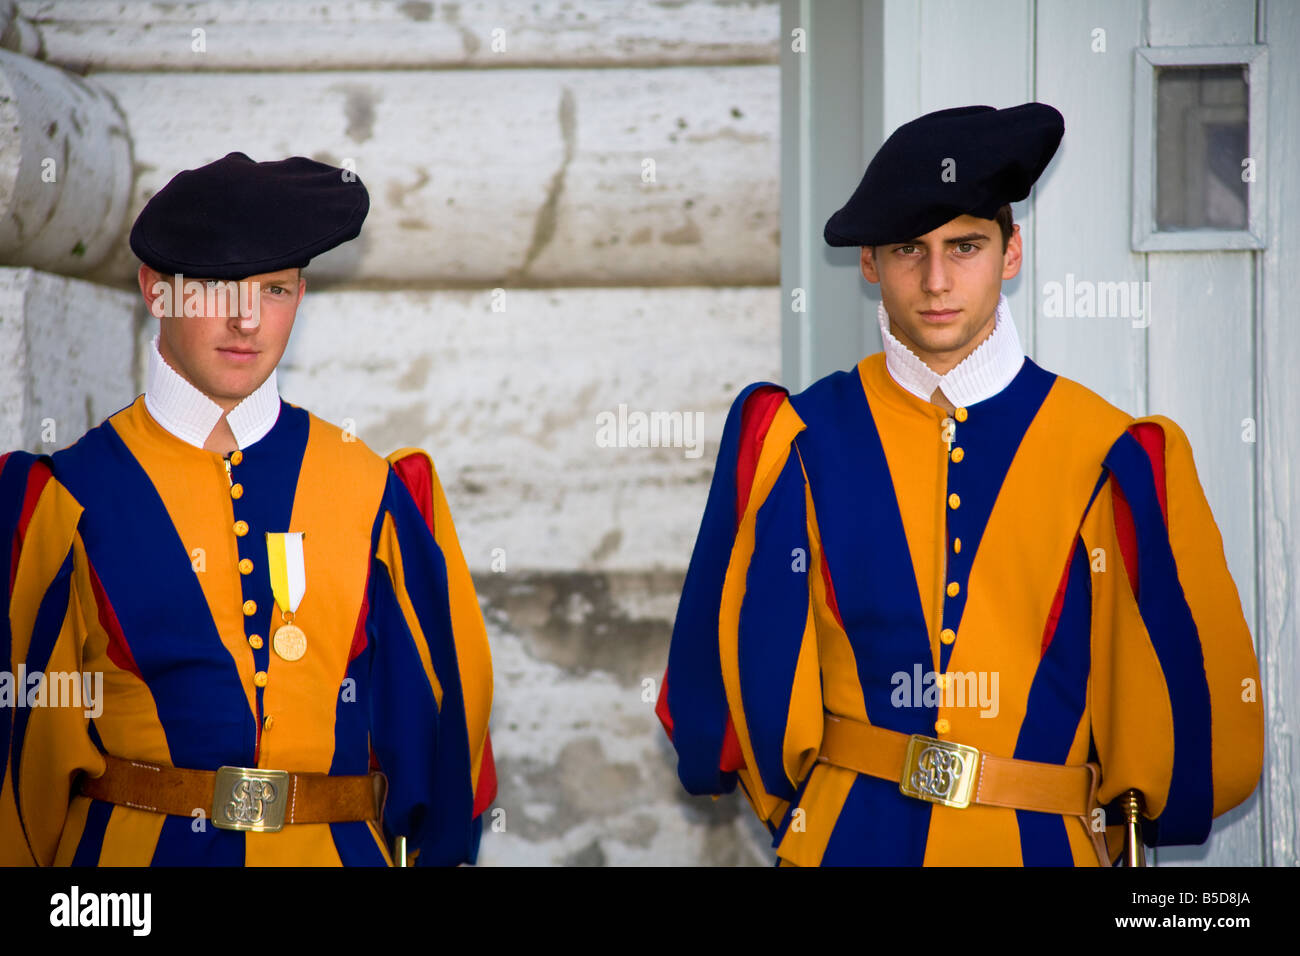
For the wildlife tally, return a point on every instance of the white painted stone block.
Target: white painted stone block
(386, 34)
(503, 177)
(69, 364)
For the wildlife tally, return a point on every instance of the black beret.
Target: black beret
(235, 218)
(910, 188)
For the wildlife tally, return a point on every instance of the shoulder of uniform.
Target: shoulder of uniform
(756, 408)
(347, 440)
(409, 460)
(1084, 401)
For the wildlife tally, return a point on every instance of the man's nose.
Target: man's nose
(243, 311)
(934, 279)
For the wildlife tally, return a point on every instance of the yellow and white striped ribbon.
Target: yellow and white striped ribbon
(288, 574)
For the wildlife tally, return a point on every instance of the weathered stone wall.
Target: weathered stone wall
(581, 224)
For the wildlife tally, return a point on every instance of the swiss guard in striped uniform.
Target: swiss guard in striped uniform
(276, 639)
(948, 607)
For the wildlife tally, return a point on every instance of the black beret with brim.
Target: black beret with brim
(971, 160)
(234, 218)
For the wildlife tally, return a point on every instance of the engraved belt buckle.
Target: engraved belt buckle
(246, 798)
(939, 771)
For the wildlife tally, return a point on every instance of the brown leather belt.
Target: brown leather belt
(954, 775)
(240, 798)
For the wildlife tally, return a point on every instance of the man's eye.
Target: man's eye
(906, 250)
(971, 247)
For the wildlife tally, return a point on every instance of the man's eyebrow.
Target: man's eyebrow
(968, 237)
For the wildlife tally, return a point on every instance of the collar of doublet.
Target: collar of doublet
(982, 374)
(189, 415)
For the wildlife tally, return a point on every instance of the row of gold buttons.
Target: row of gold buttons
(948, 635)
(246, 567)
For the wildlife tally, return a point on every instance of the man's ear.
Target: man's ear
(1011, 259)
(868, 263)
(153, 284)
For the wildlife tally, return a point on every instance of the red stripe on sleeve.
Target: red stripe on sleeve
(1127, 534)
(756, 418)
(359, 639)
(732, 757)
(487, 779)
(1054, 615)
(36, 481)
(119, 652)
(416, 474)
(830, 592)
(661, 707)
(1152, 439)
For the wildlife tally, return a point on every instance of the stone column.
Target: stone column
(65, 167)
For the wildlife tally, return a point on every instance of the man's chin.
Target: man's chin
(235, 390)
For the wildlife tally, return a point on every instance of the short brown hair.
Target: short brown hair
(1004, 221)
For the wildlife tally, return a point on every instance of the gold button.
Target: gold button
(245, 566)
(958, 454)
(956, 545)
(256, 641)
(236, 490)
(250, 608)
(241, 528)
(236, 457)
(945, 680)
(961, 414)
(260, 678)
(941, 726)
(947, 635)
(953, 501)
(953, 588)
(268, 722)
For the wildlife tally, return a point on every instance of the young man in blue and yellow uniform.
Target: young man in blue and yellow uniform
(293, 664)
(947, 607)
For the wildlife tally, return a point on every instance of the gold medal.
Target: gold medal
(289, 642)
(288, 582)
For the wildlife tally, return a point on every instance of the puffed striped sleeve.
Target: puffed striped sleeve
(46, 729)
(1176, 706)
(431, 677)
(741, 698)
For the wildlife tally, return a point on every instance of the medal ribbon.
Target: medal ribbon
(288, 575)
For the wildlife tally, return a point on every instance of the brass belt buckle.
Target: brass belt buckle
(246, 798)
(939, 771)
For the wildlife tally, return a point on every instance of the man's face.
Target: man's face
(221, 351)
(941, 289)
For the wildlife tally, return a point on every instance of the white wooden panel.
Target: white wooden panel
(499, 177)
(1200, 22)
(1203, 328)
(507, 404)
(831, 95)
(365, 34)
(1279, 512)
(1082, 201)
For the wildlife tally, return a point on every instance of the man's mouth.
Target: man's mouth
(939, 315)
(238, 354)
